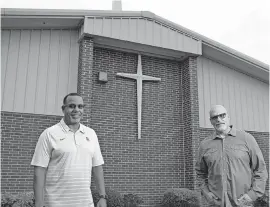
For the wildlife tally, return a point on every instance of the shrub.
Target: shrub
(24, 199)
(132, 200)
(114, 198)
(181, 197)
(262, 201)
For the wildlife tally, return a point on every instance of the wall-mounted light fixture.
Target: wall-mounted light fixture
(103, 77)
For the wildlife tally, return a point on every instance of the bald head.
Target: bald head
(217, 109)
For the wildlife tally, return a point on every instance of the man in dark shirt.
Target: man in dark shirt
(231, 164)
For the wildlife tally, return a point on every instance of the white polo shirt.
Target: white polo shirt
(69, 158)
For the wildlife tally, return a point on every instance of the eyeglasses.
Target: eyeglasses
(73, 106)
(221, 116)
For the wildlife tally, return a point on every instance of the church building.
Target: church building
(148, 85)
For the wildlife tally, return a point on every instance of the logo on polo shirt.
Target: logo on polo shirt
(62, 139)
(87, 139)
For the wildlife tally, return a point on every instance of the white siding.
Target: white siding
(246, 98)
(39, 67)
(142, 30)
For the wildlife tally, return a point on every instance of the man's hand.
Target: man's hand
(99, 179)
(211, 198)
(245, 200)
(102, 203)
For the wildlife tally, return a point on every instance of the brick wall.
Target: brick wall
(156, 162)
(20, 133)
(191, 131)
(85, 70)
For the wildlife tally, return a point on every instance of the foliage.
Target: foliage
(114, 198)
(132, 200)
(181, 197)
(24, 199)
(262, 201)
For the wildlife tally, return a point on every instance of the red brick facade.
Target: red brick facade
(20, 133)
(157, 162)
(191, 133)
(163, 158)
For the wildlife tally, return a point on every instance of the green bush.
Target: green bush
(181, 197)
(114, 198)
(132, 200)
(262, 201)
(24, 199)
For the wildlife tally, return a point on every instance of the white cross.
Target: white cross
(139, 77)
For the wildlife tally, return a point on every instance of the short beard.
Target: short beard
(225, 131)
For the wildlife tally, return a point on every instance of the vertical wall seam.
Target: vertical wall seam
(234, 99)
(58, 69)
(35, 99)
(266, 117)
(248, 114)
(69, 62)
(94, 21)
(102, 26)
(145, 32)
(202, 85)
(111, 28)
(221, 78)
(241, 110)
(263, 109)
(120, 29)
(252, 107)
(257, 111)
(16, 74)
(137, 36)
(77, 49)
(215, 87)
(5, 80)
(209, 76)
(27, 70)
(48, 69)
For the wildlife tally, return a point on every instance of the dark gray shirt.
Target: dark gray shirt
(232, 166)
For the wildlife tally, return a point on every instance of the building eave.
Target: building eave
(231, 57)
(67, 12)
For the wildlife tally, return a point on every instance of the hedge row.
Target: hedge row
(176, 197)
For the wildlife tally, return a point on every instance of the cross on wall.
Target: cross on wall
(139, 77)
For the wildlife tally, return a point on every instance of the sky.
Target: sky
(243, 25)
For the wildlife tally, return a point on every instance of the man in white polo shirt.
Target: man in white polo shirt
(64, 158)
